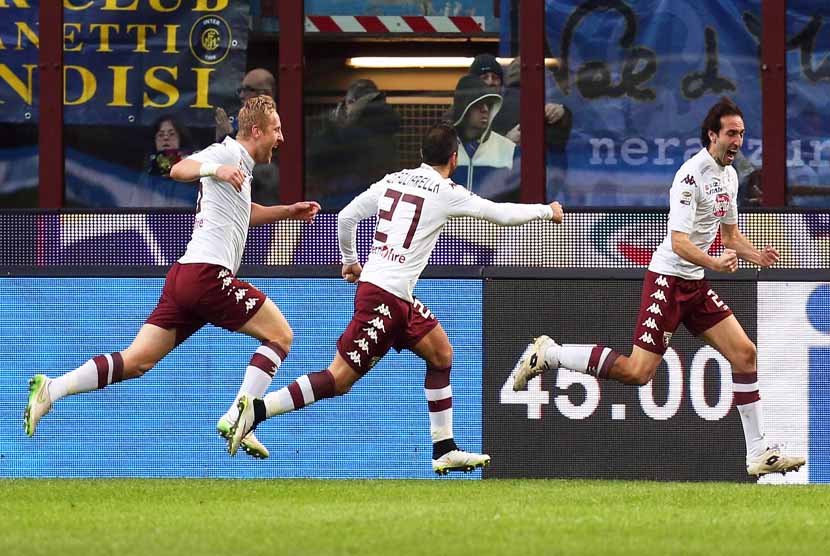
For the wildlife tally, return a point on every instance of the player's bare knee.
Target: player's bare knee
(283, 338)
(442, 358)
(744, 361)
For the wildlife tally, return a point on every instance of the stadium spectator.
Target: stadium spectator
(202, 286)
(413, 207)
(558, 117)
(488, 163)
(258, 81)
(171, 143)
(353, 145)
(703, 200)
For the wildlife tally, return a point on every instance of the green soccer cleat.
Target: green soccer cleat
(244, 424)
(250, 444)
(459, 460)
(39, 403)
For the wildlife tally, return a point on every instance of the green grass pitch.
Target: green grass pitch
(317, 517)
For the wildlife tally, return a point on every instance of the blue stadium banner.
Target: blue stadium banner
(127, 61)
(163, 425)
(639, 78)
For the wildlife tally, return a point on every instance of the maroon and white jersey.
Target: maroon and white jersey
(703, 196)
(412, 207)
(223, 214)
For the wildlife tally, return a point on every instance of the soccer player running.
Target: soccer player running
(202, 286)
(702, 198)
(412, 207)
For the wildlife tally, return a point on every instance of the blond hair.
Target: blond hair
(255, 112)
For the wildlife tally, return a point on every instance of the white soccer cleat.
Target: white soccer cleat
(532, 362)
(459, 460)
(773, 460)
(252, 446)
(243, 425)
(39, 402)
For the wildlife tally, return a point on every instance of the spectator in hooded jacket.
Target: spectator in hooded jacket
(558, 117)
(488, 162)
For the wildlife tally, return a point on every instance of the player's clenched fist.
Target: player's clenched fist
(728, 261)
(304, 210)
(769, 256)
(558, 213)
(351, 272)
(231, 174)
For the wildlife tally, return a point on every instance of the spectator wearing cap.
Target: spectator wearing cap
(489, 70)
(488, 161)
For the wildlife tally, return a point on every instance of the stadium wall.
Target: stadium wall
(76, 285)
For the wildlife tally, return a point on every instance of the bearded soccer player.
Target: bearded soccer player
(202, 286)
(412, 207)
(702, 199)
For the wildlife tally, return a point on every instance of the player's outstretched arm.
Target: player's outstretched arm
(509, 214)
(732, 238)
(304, 210)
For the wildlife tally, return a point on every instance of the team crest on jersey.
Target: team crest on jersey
(667, 338)
(721, 204)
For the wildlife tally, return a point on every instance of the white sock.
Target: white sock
(752, 419)
(573, 356)
(255, 383)
(264, 364)
(440, 421)
(82, 379)
(279, 402)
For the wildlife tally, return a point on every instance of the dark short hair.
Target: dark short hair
(439, 144)
(724, 107)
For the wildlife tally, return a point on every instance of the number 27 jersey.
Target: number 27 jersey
(412, 207)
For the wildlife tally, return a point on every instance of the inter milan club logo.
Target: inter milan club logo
(210, 39)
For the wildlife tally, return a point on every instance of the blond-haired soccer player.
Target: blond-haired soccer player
(412, 207)
(703, 199)
(202, 286)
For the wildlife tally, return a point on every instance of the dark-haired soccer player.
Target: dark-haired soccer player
(412, 207)
(702, 199)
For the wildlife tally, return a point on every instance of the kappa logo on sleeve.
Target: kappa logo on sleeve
(688, 180)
